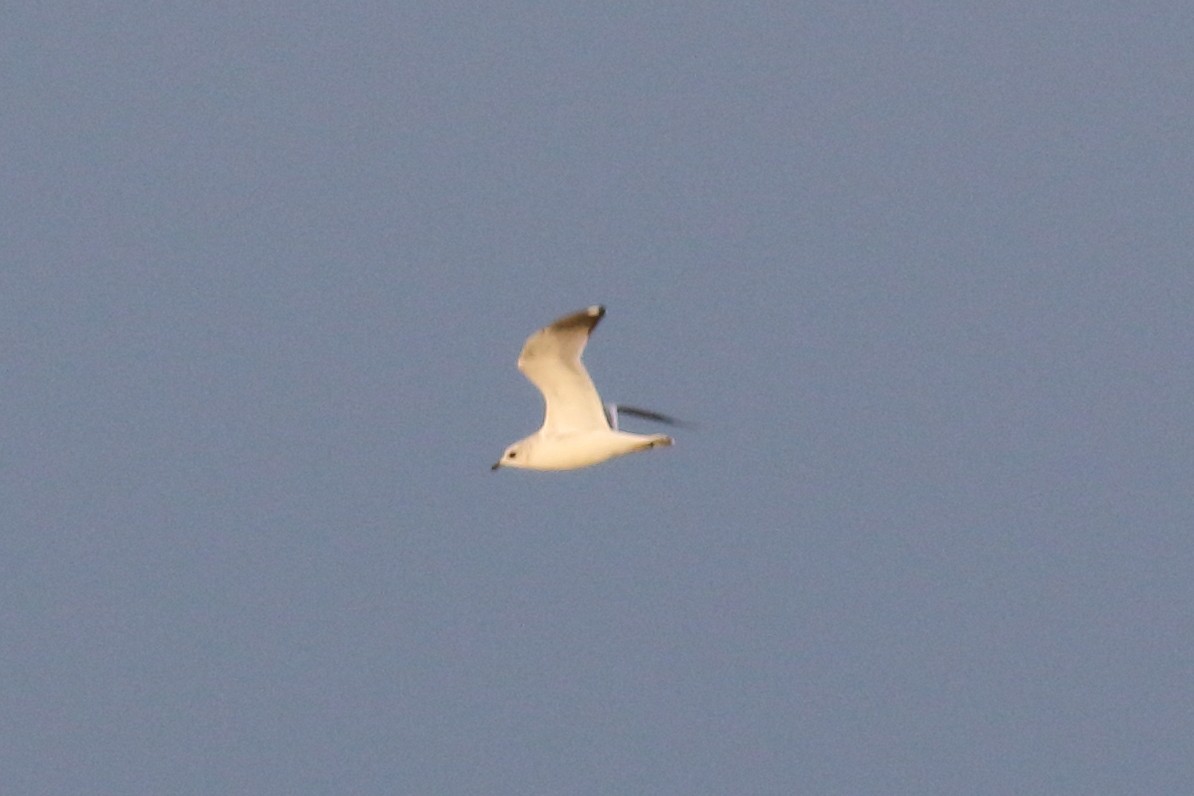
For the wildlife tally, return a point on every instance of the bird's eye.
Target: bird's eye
(511, 454)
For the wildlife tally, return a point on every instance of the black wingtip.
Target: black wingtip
(647, 414)
(586, 318)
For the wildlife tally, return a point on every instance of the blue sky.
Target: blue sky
(919, 275)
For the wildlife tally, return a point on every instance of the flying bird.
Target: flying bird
(577, 430)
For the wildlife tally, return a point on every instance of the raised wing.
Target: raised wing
(550, 359)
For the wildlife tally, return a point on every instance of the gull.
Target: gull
(577, 430)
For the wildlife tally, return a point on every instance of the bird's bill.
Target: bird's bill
(496, 465)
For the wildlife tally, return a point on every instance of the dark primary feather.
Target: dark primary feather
(647, 415)
(613, 410)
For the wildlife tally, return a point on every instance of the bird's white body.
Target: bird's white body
(578, 449)
(576, 432)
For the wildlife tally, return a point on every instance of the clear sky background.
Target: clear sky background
(921, 274)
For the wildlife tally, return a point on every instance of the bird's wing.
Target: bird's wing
(612, 410)
(551, 361)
